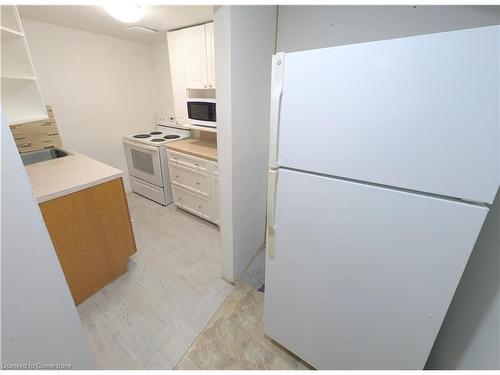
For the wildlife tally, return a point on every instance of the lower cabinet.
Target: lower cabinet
(191, 179)
(216, 199)
(192, 202)
(92, 235)
(194, 185)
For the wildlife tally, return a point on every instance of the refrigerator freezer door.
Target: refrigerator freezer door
(362, 276)
(420, 113)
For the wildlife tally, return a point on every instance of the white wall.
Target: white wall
(469, 338)
(161, 66)
(222, 42)
(244, 45)
(309, 27)
(101, 88)
(39, 319)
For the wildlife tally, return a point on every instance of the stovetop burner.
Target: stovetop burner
(171, 136)
(142, 136)
(155, 133)
(157, 140)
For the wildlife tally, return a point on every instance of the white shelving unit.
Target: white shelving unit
(21, 97)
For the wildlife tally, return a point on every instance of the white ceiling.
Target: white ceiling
(96, 19)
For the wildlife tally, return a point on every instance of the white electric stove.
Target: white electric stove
(146, 159)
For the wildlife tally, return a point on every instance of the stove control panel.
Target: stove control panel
(165, 119)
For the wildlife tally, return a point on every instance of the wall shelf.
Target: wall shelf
(21, 96)
(22, 78)
(9, 34)
(10, 18)
(21, 100)
(24, 119)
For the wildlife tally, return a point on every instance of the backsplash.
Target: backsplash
(37, 135)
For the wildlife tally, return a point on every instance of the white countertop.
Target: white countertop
(58, 177)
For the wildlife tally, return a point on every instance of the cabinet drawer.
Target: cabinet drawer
(188, 161)
(193, 162)
(193, 203)
(190, 179)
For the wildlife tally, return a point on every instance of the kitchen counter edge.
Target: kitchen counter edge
(56, 178)
(195, 147)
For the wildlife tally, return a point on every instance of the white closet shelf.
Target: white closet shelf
(22, 101)
(20, 78)
(9, 34)
(21, 97)
(23, 119)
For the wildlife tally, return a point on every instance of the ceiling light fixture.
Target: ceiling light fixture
(125, 12)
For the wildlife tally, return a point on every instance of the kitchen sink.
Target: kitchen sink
(42, 155)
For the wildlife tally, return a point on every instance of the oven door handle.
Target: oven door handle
(140, 145)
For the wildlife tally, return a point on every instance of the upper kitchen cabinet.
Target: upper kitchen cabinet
(21, 97)
(209, 38)
(195, 57)
(177, 72)
(198, 44)
(192, 64)
(199, 56)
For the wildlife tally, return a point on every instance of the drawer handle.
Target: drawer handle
(177, 175)
(197, 183)
(196, 164)
(199, 207)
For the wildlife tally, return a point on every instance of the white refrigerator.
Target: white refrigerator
(384, 157)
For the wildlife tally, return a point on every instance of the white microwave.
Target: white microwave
(201, 112)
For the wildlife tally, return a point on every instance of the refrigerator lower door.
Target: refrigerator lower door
(362, 276)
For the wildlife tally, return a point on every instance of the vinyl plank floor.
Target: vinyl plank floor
(149, 317)
(254, 274)
(234, 339)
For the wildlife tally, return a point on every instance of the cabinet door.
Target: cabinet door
(209, 34)
(176, 59)
(92, 235)
(194, 203)
(195, 57)
(216, 200)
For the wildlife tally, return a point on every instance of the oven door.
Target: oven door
(144, 162)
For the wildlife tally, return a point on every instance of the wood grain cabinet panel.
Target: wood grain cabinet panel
(92, 235)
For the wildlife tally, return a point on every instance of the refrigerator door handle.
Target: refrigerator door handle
(276, 94)
(271, 207)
